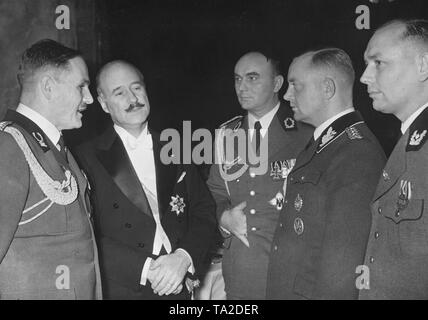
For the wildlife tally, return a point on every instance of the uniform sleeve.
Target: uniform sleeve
(351, 181)
(202, 227)
(217, 186)
(14, 185)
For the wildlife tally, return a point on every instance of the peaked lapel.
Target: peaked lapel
(165, 176)
(42, 147)
(113, 156)
(395, 166)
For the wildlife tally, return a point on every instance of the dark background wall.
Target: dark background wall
(187, 49)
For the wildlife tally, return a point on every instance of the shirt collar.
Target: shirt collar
(320, 129)
(48, 128)
(265, 120)
(406, 124)
(144, 139)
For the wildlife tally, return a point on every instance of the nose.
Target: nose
(133, 97)
(241, 85)
(87, 97)
(288, 94)
(367, 76)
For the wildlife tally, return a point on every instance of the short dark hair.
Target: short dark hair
(334, 58)
(414, 29)
(44, 54)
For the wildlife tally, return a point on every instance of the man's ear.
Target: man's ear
(102, 103)
(329, 87)
(279, 80)
(47, 86)
(422, 63)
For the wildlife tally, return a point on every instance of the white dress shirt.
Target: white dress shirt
(140, 152)
(406, 124)
(320, 129)
(264, 121)
(48, 128)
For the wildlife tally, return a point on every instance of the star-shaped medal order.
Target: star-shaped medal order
(177, 204)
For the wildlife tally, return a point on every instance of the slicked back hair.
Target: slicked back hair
(44, 54)
(335, 59)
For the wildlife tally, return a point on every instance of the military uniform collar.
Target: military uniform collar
(265, 121)
(32, 128)
(286, 118)
(45, 125)
(406, 124)
(418, 131)
(337, 128)
(321, 128)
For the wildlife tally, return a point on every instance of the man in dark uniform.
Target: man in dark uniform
(47, 246)
(250, 197)
(154, 221)
(397, 80)
(322, 231)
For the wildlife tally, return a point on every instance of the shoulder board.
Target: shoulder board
(353, 133)
(234, 123)
(5, 124)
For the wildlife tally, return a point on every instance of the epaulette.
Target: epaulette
(5, 124)
(353, 133)
(418, 132)
(234, 123)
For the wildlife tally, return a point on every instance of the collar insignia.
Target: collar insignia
(39, 139)
(327, 137)
(289, 123)
(416, 138)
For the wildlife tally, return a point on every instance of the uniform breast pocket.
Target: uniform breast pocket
(412, 227)
(46, 219)
(309, 177)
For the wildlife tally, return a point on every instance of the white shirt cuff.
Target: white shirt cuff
(145, 271)
(191, 268)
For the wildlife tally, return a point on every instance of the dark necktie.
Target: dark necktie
(257, 127)
(62, 147)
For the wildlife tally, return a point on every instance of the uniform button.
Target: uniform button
(281, 225)
(237, 180)
(252, 175)
(291, 179)
(140, 245)
(303, 178)
(253, 229)
(376, 235)
(397, 214)
(371, 260)
(115, 205)
(252, 211)
(379, 210)
(252, 193)
(128, 225)
(286, 201)
(275, 248)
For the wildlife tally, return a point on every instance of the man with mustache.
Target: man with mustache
(154, 221)
(322, 230)
(249, 200)
(397, 80)
(47, 245)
